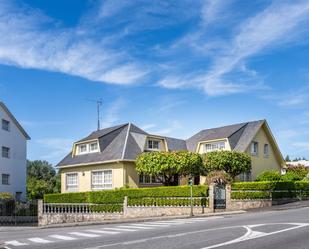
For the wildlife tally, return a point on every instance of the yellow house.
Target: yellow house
(106, 158)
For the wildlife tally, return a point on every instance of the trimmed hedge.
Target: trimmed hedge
(117, 196)
(274, 190)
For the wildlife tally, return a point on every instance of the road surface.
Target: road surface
(284, 229)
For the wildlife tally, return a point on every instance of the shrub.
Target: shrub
(250, 195)
(291, 176)
(135, 196)
(253, 185)
(6, 196)
(232, 162)
(269, 175)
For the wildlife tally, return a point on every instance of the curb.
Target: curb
(22, 228)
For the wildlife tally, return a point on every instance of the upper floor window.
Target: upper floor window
(266, 150)
(5, 179)
(5, 152)
(87, 148)
(94, 147)
(5, 125)
(254, 148)
(153, 144)
(101, 179)
(214, 146)
(71, 181)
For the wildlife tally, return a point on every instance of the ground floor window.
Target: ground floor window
(102, 179)
(72, 181)
(147, 179)
(245, 176)
(5, 179)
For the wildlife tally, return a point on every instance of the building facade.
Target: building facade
(106, 158)
(13, 154)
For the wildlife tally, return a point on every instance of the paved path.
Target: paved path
(285, 229)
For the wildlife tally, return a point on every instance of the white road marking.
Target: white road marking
(102, 231)
(135, 227)
(297, 225)
(121, 229)
(152, 225)
(15, 243)
(62, 237)
(39, 240)
(89, 235)
(250, 234)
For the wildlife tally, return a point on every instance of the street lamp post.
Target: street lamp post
(191, 195)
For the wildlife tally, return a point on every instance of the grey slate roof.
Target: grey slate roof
(127, 141)
(4, 107)
(239, 135)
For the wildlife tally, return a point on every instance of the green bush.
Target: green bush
(80, 197)
(253, 185)
(292, 176)
(250, 195)
(141, 196)
(269, 175)
(6, 196)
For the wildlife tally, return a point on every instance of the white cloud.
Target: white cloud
(29, 40)
(170, 128)
(302, 146)
(147, 127)
(277, 25)
(55, 147)
(111, 115)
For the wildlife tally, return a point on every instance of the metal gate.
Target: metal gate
(17, 213)
(219, 196)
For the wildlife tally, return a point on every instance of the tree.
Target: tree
(231, 162)
(287, 158)
(41, 179)
(167, 165)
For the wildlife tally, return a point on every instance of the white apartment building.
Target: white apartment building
(13, 154)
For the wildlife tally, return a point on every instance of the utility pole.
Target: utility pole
(190, 182)
(99, 103)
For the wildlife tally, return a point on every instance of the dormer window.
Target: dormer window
(214, 146)
(87, 148)
(153, 144)
(94, 147)
(82, 148)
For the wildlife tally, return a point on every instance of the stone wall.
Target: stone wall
(139, 212)
(248, 204)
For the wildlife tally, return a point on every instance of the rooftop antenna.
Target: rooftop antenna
(99, 103)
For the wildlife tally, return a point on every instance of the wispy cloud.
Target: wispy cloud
(31, 40)
(147, 127)
(168, 129)
(111, 115)
(277, 25)
(54, 147)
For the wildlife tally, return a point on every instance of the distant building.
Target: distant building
(13, 154)
(106, 158)
(300, 162)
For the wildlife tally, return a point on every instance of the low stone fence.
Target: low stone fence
(60, 213)
(248, 204)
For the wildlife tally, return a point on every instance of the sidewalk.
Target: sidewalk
(20, 228)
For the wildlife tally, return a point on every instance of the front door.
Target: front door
(219, 196)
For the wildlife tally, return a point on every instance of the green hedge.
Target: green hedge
(117, 196)
(274, 190)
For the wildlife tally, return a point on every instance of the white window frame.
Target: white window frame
(253, 152)
(5, 122)
(214, 146)
(8, 179)
(5, 154)
(266, 153)
(147, 179)
(71, 187)
(102, 185)
(95, 150)
(79, 147)
(150, 144)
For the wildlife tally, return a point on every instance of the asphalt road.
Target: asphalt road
(284, 229)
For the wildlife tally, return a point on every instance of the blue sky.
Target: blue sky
(170, 67)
